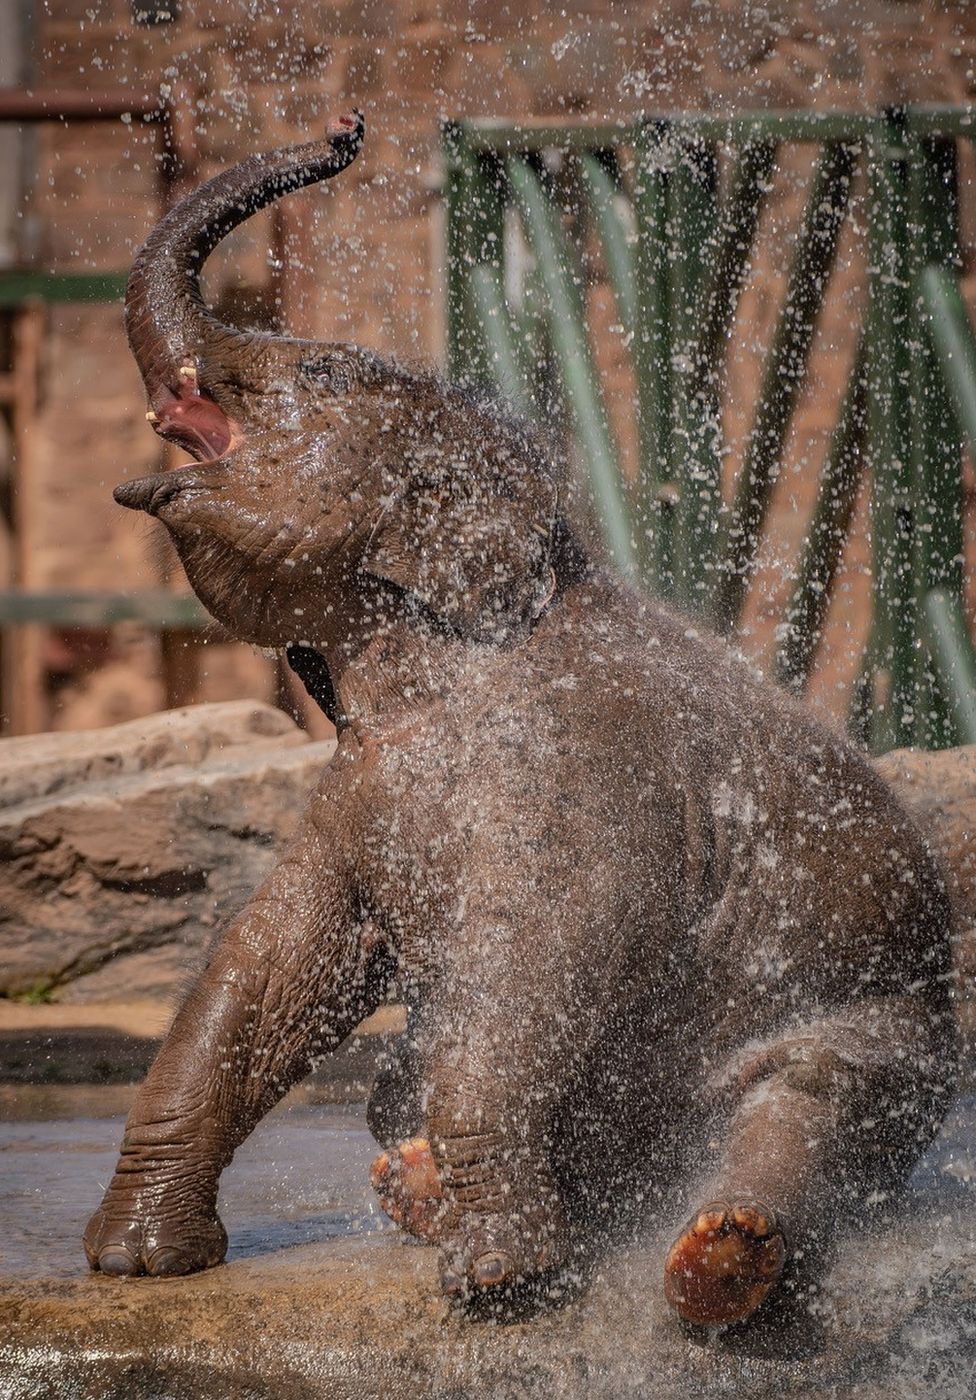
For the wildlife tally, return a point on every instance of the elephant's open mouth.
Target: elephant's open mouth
(204, 446)
(196, 423)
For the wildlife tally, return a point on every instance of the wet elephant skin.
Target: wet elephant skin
(654, 924)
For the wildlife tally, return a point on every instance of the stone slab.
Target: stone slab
(140, 842)
(36, 766)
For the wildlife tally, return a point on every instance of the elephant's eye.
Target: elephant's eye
(328, 371)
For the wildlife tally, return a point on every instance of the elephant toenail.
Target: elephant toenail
(710, 1221)
(452, 1282)
(166, 1260)
(491, 1269)
(116, 1260)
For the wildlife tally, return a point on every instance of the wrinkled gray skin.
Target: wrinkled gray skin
(648, 916)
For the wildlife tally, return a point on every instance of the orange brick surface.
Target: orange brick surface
(266, 74)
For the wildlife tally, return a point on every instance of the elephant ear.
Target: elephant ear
(468, 534)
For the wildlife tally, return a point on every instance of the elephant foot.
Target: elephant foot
(724, 1264)
(409, 1189)
(123, 1240)
(496, 1252)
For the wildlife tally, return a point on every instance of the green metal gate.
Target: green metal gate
(675, 205)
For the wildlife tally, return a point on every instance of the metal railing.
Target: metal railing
(674, 205)
(20, 107)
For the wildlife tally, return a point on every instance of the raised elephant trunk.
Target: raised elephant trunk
(199, 373)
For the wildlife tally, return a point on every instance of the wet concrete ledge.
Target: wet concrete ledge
(362, 1317)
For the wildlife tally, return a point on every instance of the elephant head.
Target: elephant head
(328, 479)
(209, 384)
(418, 503)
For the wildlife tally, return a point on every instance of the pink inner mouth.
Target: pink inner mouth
(197, 424)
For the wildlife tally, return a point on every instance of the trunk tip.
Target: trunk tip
(346, 128)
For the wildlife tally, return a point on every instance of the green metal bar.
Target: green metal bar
(653, 358)
(458, 238)
(153, 608)
(830, 522)
(791, 125)
(715, 313)
(489, 306)
(952, 654)
(697, 466)
(475, 217)
(936, 455)
(748, 187)
(893, 523)
(517, 138)
(61, 287)
(616, 247)
(860, 709)
(940, 119)
(567, 325)
(534, 346)
(783, 376)
(490, 134)
(822, 128)
(955, 344)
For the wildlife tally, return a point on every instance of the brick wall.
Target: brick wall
(266, 74)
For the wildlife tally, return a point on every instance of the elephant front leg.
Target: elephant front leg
(288, 981)
(823, 1118)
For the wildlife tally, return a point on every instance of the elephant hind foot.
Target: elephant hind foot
(724, 1264)
(480, 1252)
(409, 1189)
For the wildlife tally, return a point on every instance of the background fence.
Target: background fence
(671, 208)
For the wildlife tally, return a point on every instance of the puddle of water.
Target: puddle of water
(300, 1179)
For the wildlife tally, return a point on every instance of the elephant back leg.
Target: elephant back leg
(518, 1011)
(621, 1143)
(820, 1120)
(404, 1175)
(615, 1148)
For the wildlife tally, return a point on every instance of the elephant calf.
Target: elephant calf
(652, 923)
